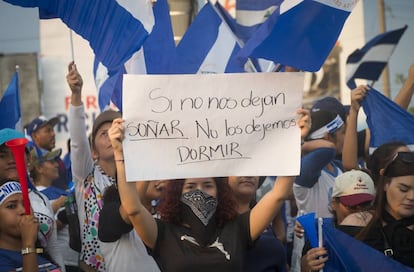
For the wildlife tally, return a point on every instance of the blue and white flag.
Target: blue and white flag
(155, 57)
(208, 46)
(250, 14)
(369, 61)
(300, 33)
(111, 28)
(347, 254)
(387, 121)
(10, 114)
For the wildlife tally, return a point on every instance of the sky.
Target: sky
(398, 13)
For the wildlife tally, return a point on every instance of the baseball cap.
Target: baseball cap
(40, 122)
(39, 156)
(330, 104)
(7, 134)
(353, 188)
(104, 117)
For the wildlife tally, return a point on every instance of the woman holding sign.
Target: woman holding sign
(199, 226)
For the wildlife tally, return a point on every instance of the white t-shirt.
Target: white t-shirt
(128, 254)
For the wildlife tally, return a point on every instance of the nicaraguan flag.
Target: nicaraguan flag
(10, 114)
(208, 46)
(111, 28)
(387, 121)
(108, 86)
(300, 33)
(369, 61)
(346, 254)
(155, 57)
(250, 14)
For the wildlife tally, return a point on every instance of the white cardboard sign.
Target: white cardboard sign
(211, 125)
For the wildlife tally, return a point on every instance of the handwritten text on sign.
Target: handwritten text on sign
(211, 125)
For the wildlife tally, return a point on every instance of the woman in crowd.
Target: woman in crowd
(351, 207)
(200, 228)
(43, 171)
(391, 229)
(18, 233)
(93, 170)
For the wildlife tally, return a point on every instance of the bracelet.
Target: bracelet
(121, 160)
(29, 250)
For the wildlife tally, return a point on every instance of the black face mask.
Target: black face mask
(199, 212)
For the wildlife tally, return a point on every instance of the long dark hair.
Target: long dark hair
(379, 208)
(380, 157)
(170, 204)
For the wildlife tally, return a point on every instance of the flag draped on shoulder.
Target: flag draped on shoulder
(208, 45)
(300, 33)
(369, 61)
(10, 113)
(346, 254)
(113, 32)
(387, 121)
(154, 57)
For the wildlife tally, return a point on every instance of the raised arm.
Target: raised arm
(350, 148)
(82, 163)
(406, 92)
(142, 220)
(266, 209)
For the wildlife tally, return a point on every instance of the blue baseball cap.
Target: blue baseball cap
(330, 104)
(7, 134)
(40, 122)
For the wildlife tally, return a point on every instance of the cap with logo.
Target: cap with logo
(353, 188)
(40, 122)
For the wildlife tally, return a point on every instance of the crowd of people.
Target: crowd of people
(105, 223)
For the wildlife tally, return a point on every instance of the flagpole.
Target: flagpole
(71, 45)
(320, 235)
(19, 125)
(385, 72)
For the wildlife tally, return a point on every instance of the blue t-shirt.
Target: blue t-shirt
(11, 260)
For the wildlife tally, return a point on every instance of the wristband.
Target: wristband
(29, 250)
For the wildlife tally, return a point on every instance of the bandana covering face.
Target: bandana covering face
(202, 204)
(8, 189)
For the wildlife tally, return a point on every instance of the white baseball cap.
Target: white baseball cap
(353, 188)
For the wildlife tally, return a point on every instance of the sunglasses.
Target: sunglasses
(405, 157)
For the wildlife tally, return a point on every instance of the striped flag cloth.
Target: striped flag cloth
(155, 57)
(11, 116)
(250, 14)
(111, 28)
(387, 121)
(347, 254)
(369, 61)
(208, 45)
(300, 33)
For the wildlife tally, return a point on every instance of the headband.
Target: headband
(331, 127)
(8, 189)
